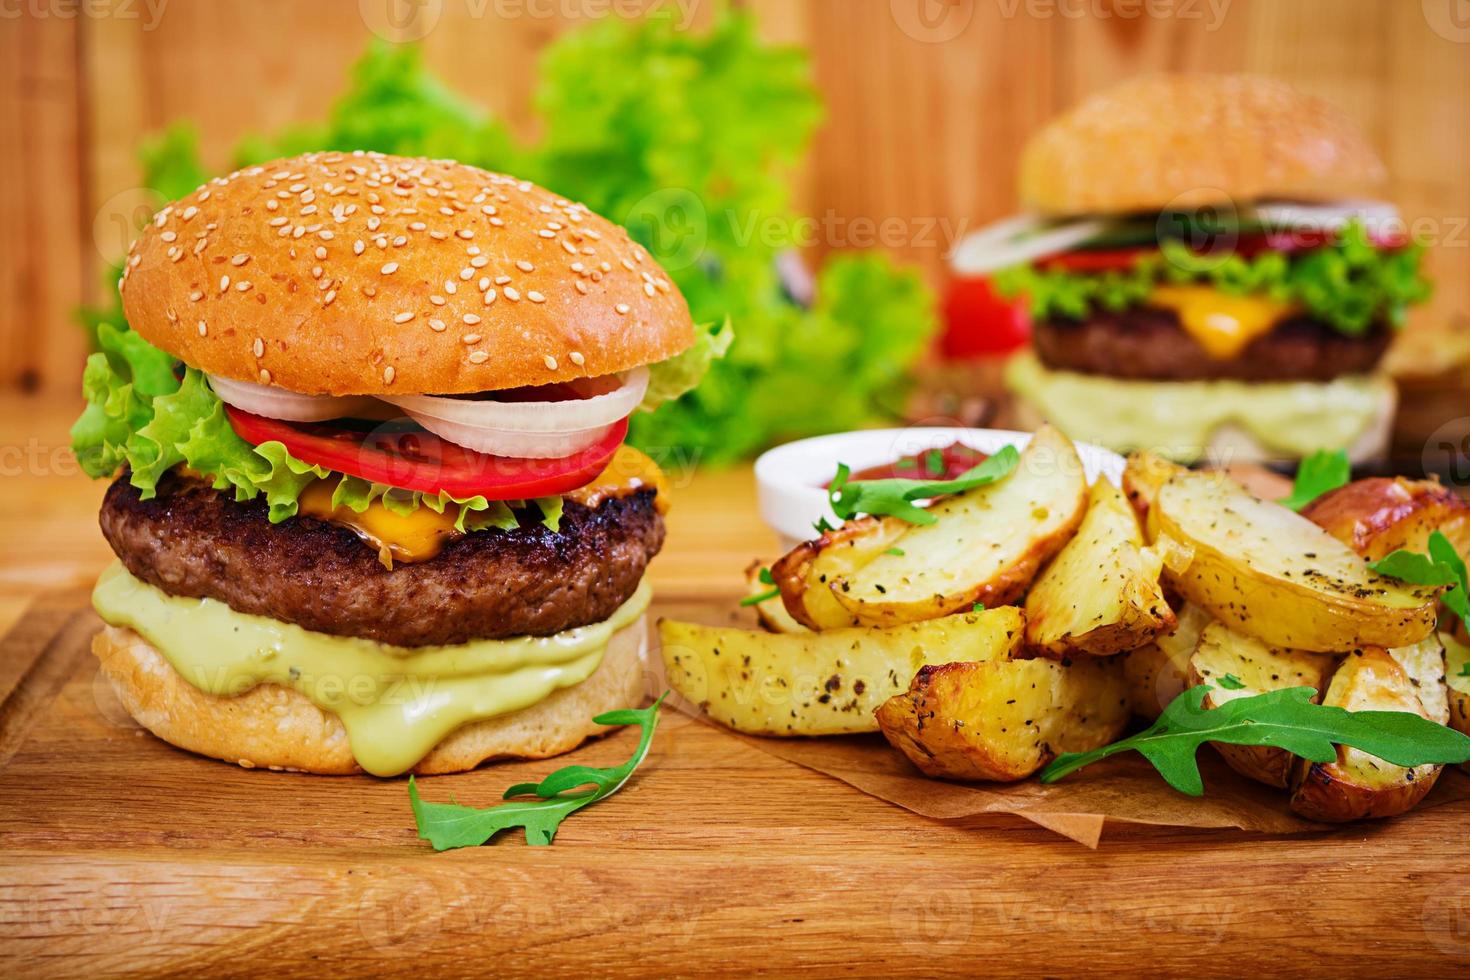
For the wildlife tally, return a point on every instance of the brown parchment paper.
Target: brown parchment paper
(1124, 788)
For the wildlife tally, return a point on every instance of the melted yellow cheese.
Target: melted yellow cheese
(1182, 419)
(419, 536)
(395, 703)
(1223, 324)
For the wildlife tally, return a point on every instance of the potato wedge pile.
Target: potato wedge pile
(1038, 615)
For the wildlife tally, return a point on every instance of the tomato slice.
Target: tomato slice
(402, 454)
(1101, 260)
(979, 322)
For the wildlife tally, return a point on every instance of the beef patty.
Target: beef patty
(1147, 343)
(193, 541)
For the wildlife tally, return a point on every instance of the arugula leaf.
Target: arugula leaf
(1232, 683)
(1442, 566)
(767, 579)
(1286, 719)
(894, 497)
(1320, 472)
(449, 825)
(895, 551)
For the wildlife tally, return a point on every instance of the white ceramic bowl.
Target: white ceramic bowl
(790, 479)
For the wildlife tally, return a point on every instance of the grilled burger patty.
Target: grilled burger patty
(1147, 343)
(194, 541)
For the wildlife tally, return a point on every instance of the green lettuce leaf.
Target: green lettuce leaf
(677, 376)
(1349, 284)
(142, 416)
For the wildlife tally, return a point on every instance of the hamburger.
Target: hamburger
(1203, 273)
(371, 501)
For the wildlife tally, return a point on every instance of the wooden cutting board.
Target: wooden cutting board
(119, 853)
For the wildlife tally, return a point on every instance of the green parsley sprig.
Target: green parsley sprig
(894, 497)
(1286, 719)
(771, 593)
(1320, 472)
(450, 825)
(1442, 566)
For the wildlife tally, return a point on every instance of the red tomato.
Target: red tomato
(1099, 261)
(980, 322)
(401, 454)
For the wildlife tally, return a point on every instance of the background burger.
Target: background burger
(372, 506)
(1184, 296)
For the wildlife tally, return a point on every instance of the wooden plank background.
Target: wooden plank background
(928, 103)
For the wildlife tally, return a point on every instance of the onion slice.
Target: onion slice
(1325, 217)
(1016, 240)
(290, 406)
(527, 430)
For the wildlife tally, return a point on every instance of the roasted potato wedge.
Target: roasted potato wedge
(804, 572)
(1378, 516)
(1143, 475)
(1221, 652)
(1357, 785)
(827, 683)
(1158, 672)
(1100, 595)
(1001, 720)
(1270, 573)
(986, 546)
(771, 612)
(1457, 679)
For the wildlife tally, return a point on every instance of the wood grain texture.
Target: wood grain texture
(121, 854)
(928, 104)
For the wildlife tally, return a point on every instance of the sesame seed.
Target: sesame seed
(470, 338)
(265, 376)
(327, 299)
(472, 250)
(525, 266)
(388, 373)
(622, 308)
(550, 363)
(243, 286)
(466, 273)
(258, 347)
(545, 233)
(512, 294)
(648, 288)
(189, 212)
(479, 357)
(403, 317)
(577, 358)
(278, 221)
(389, 268)
(576, 266)
(497, 222)
(195, 296)
(484, 283)
(569, 247)
(224, 283)
(437, 300)
(501, 280)
(436, 325)
(471, 319)
(465, 233)
(203, 328)
(321, 251)
(479, 262)
(358, 247)
(581, 287)
(535, 297)
(169, 236)
(627, 264)
(489, 296)
(417, 226)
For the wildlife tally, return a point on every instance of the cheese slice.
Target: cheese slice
(420, 535)
(1223, 324)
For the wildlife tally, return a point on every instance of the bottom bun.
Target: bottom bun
(274, 727)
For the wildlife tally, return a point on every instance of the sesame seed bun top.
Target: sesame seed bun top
(361, 273)
(1187, 141)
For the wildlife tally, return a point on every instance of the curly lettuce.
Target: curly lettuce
(142, 416)
(1349, 284)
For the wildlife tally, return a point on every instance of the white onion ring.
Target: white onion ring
(528, 430)
(278, 403)
(1325, 216)
(1015, 240)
